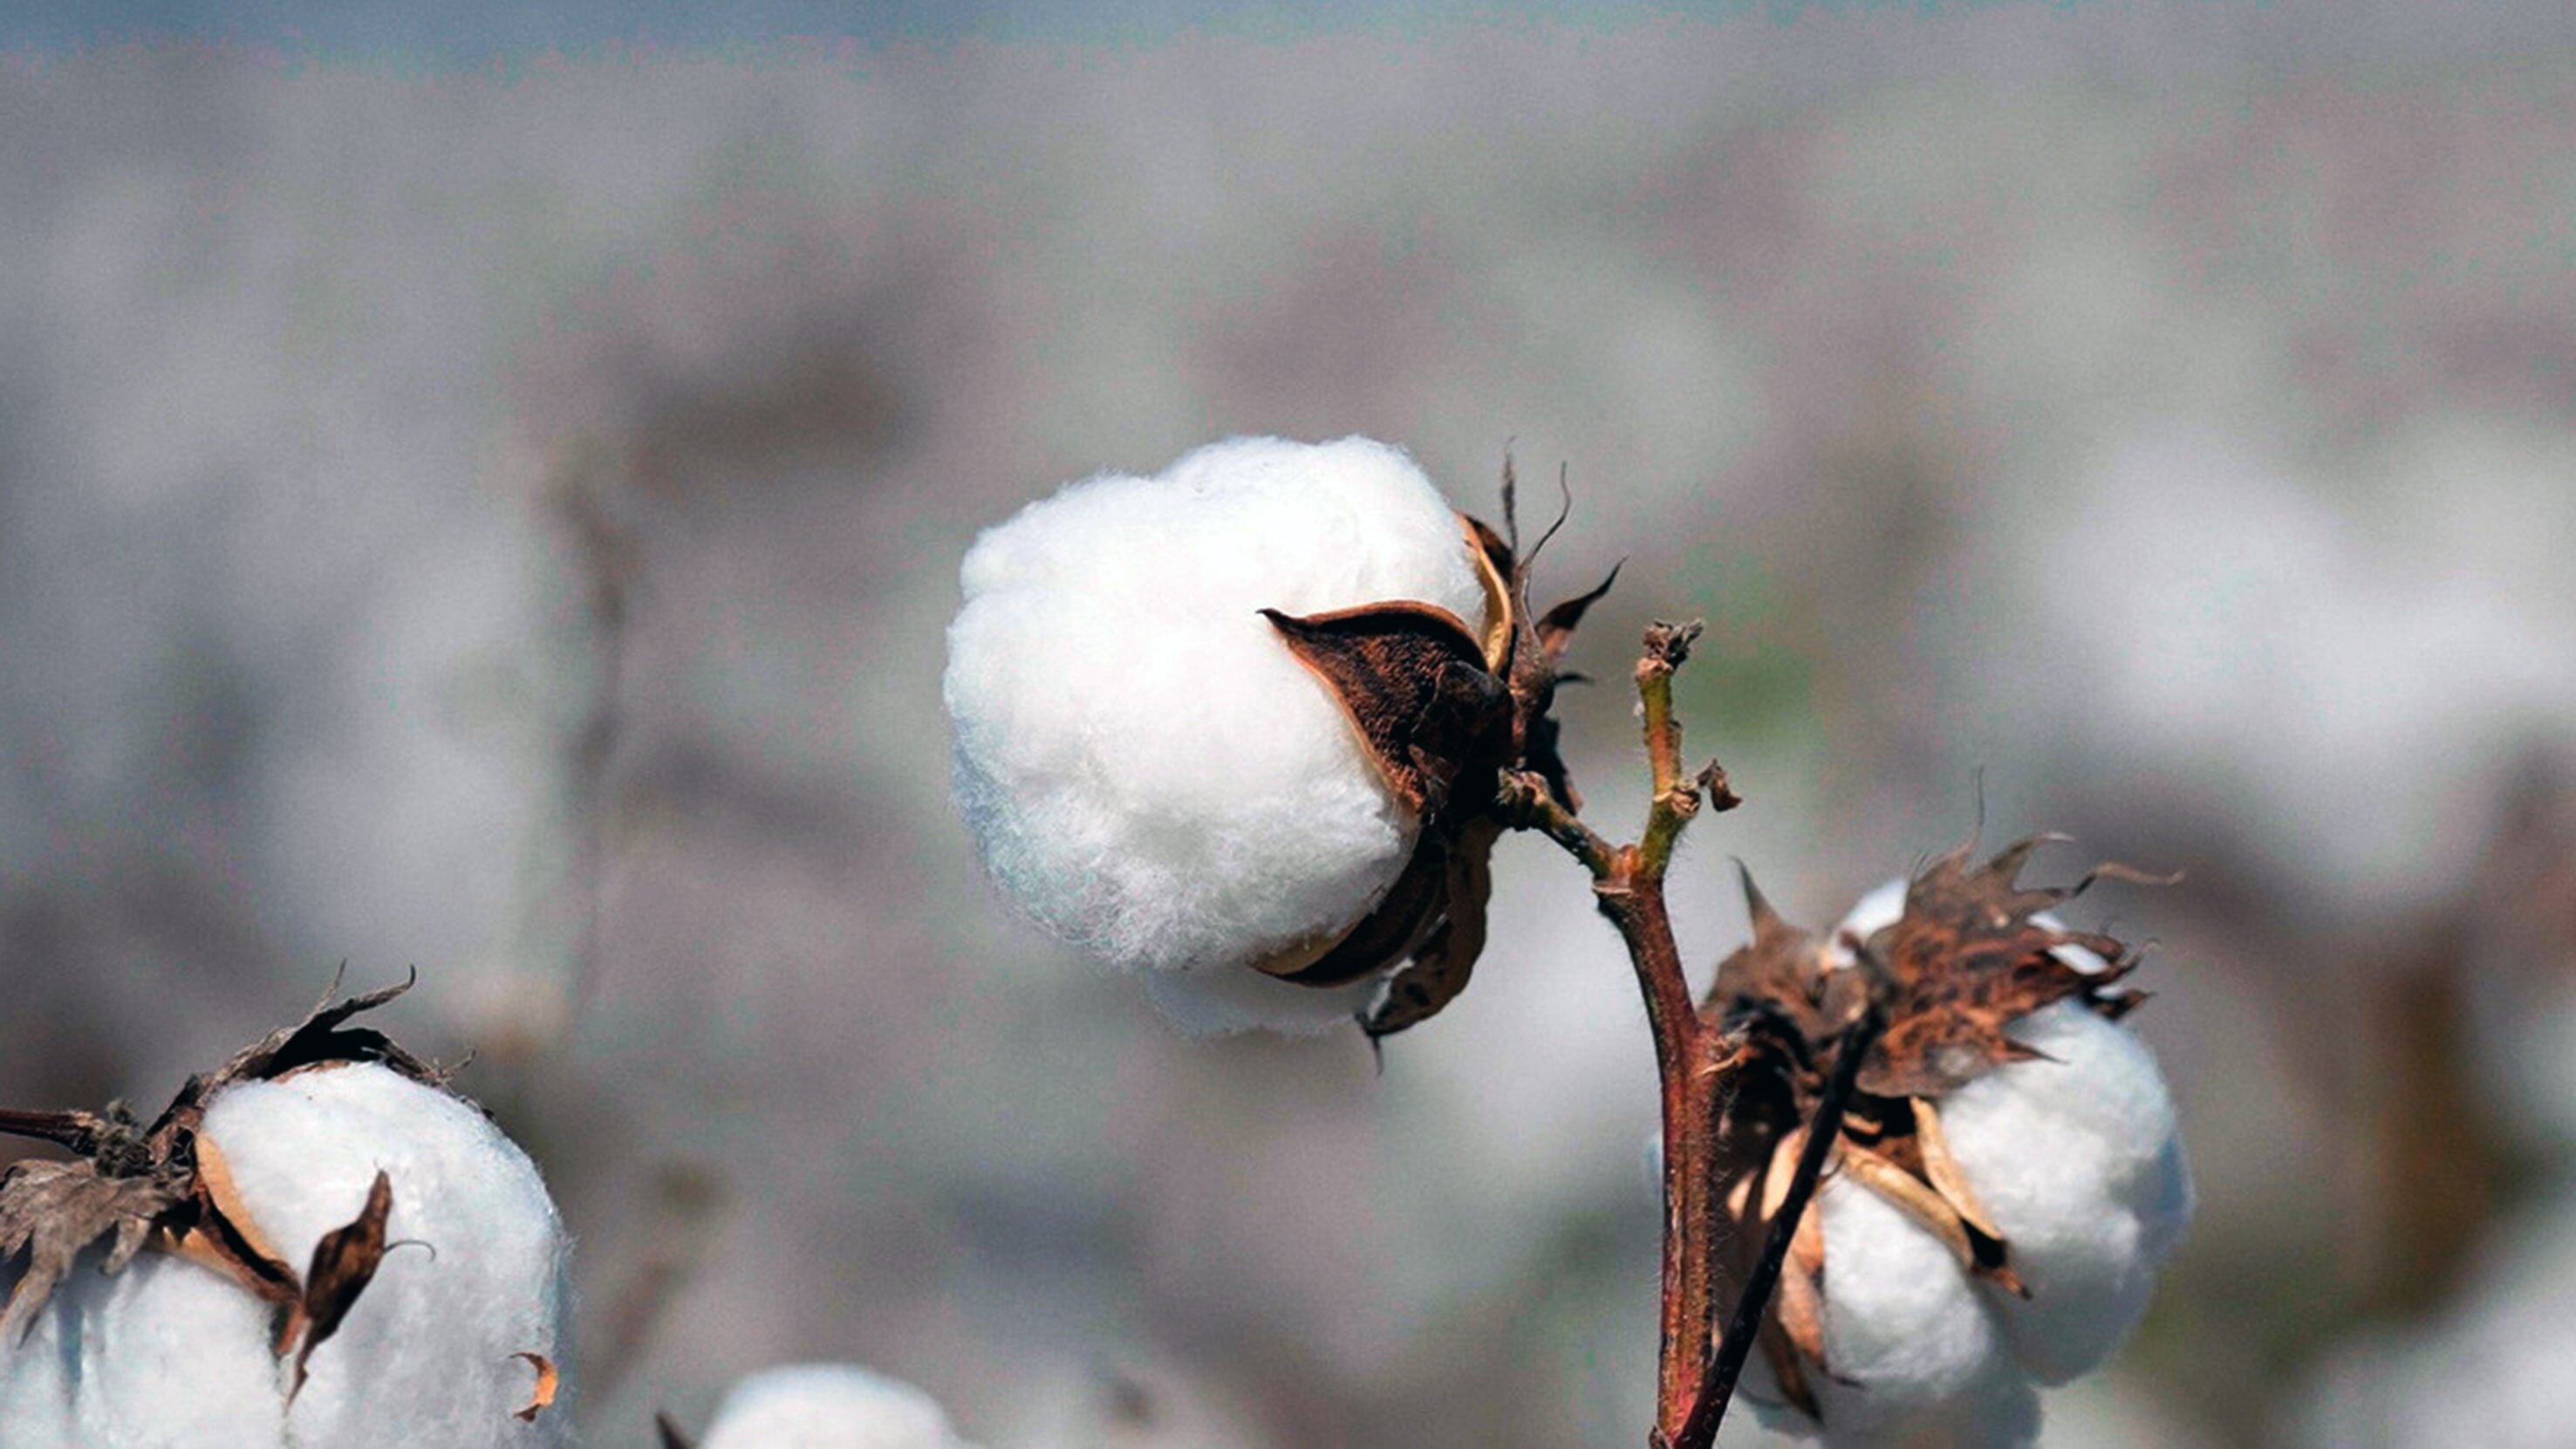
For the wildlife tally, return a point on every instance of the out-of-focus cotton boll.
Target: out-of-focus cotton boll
(1148, 770)
(169, 1353)
(828, 1406)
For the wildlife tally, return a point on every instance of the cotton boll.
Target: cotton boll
(173, 1353)
(1147, 769)
(427, 1354)
(828, 1406)
(2078, 1163)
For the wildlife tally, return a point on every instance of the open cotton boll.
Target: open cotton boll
(170, 1353)
(828, 1406)
(2075, 1157)
(1147, 769)
(2077, 1161)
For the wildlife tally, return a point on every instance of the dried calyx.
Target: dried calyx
(163, 1187)
(1444, 715)
(1972, 953)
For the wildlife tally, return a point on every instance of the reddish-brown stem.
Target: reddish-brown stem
(1696, 1370)
(1717, 1389)
(75, 1130)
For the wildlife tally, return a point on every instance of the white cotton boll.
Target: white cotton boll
(427, 1355)
(1146, 767)
(171, 1353)
(828, 1406)
(2078, 1162)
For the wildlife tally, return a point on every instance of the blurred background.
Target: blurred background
(481, 488)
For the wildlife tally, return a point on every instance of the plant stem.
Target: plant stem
(1696, 1372)
(1717, 1390)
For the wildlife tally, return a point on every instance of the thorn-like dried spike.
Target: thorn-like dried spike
(669, 1433)
(1757, 907)
(1556, 627)
(1511, 502)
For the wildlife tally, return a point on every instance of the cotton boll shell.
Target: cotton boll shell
(2078, 1163)
(828, 1406)
(1147, 770)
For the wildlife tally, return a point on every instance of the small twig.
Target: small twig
(1717, 1390)
(76, 1131)
(1676, 797)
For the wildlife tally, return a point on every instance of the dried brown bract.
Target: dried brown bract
(1446, 717)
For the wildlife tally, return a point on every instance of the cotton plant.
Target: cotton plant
(1249, 729)
(317, 1245)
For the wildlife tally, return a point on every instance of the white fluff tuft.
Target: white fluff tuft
(172, 1354)
(829, 1406)
(2079, 1163)
(1146, 768)
(1906, 1335)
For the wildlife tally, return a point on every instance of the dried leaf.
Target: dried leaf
(322, 1038)
(1414, 683)
(1966, 961)
(53, 1211)
(541, 1397)
(344, 1263)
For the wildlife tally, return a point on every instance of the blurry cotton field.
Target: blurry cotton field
(487, 492)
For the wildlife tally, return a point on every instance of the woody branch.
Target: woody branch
(1697, 1369)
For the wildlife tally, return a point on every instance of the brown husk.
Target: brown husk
(1443, 714)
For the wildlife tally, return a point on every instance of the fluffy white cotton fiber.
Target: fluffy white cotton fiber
(1147, 769)
(172, 1355)
(828, 1406)
(2078, 1161)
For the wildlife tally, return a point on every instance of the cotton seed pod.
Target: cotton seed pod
(316, 1246)
(828, 1406)
(1234, 726)
(2009, 1178)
